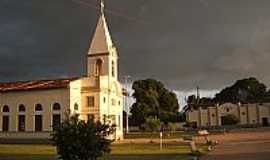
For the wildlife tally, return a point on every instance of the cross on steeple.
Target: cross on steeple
(102, 6)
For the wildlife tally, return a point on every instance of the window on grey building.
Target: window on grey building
(21, 108)
(5, 123)
(38, 123)
(56, 107)
(56, 120)
(5, 119)
(5, 109)
(21, 123)
(91, 101)
(38, 107)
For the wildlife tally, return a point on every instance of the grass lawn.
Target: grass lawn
(166, 135)
(119, 152)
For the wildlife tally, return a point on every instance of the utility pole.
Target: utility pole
(198, 95)
(126, 78)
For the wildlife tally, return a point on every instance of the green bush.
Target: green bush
(152, 124)
(172, 126)
(80, 140)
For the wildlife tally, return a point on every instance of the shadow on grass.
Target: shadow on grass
(149, 157)
(23, 157)
(111, 157)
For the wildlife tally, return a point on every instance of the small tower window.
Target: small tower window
(76, 106)
(91, 101)
(98, 67)
(113, 69)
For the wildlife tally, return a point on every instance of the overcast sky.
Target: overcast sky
(184, 43)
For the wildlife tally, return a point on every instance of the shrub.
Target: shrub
(80, 140)
(172, 127)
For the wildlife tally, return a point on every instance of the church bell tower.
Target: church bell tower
(103, 74)
(102, 55)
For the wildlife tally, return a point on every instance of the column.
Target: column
(248, 120)
(217, 114)
(258, 114)
(200, 117)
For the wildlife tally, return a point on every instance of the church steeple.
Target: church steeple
(102, 41)
(102, 55)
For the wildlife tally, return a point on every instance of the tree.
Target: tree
(80, 140)
(248, 90)
(153, 99)
(192, 99)
(152, 125)
(172, 127)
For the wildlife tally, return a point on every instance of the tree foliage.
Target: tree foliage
(248, 90)
(80, 140)
(152, 124)
(153, 99)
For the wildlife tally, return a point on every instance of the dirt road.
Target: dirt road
(251, 145)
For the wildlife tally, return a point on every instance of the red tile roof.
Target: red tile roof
(35, 85)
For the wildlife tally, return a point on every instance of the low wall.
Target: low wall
(25, 137)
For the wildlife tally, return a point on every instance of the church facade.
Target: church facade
(31, 109)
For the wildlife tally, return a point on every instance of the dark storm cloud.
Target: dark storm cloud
(184, 43)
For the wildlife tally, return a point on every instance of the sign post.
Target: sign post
(160, 137)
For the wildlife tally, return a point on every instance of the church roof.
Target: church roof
(101, 41)
(35, 85)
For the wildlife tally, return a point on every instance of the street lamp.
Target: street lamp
(126, 78)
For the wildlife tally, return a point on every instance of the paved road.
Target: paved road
(242, 149)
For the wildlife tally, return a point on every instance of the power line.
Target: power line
(116, 13)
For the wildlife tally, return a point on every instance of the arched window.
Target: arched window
(5, 109)
(38, 107)
(56, 107)
(113, 69)
(21, 108)
(76, 106)
(98, 67)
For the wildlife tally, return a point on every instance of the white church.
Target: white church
(30, 109)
